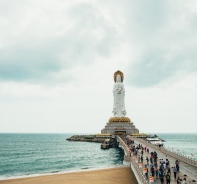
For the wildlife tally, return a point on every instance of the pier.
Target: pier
(188, 167)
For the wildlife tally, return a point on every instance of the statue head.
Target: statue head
(121, 76)
(118, 78)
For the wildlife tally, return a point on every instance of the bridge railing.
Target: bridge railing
(138, 173)
(167, 152)
(180, 157)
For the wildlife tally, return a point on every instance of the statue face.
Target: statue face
(118, 78)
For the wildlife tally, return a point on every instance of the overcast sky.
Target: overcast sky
(57, 60)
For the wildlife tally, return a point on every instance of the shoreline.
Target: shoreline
(107, 175)
(58, 172)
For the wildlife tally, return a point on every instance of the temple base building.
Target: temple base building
(120, 126)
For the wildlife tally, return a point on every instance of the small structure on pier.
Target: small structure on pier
(103, 135)
(140, 135)
(119, 124)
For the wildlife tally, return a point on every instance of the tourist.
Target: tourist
(161, 167)
(169, 171)
(135, 151)
(138, 159)
(155, 156)
(167, 163)
(177, 166)
(162, 180)
(142, 152)
(161, 171)
(152, 165)
(152, 155)
(141, 158)
(174, 171)
(164, 167)
(157, 172)
(146, 171)
(184, 181)
(168, 178)
(153, 171)
(161, 176)
(155, 164)
(178, 180)
(147, 160)
(151, 160)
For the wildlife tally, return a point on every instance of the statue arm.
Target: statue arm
(123, 90)
(114, 90)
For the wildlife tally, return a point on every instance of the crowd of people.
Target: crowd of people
(155, 167)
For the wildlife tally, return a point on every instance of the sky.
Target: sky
(58, 58)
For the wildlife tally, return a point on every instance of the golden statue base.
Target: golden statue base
(119, 119)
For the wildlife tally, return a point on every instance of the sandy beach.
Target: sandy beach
(118, 175)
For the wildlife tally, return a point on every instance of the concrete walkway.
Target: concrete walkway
(185, 168)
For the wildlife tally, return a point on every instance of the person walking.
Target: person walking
(151, 161)
(138, 159)
(142, 158)
(161, 176)
(164, 167)
(162, 180)
(167, 163)
(147, 160)
(157, 172)
(178, 181)
(184, 181)
(155, 157)
(146, 171)
(168, 170)
(152, 165)
(174, 171)
(168, 178)
(153, 171)
(161, 168)
(177, 166)
(156, 164)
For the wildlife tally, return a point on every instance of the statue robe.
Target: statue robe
(119, 105)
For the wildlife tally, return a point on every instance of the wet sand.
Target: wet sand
(119, 175)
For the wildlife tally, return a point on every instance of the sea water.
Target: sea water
(35, 154)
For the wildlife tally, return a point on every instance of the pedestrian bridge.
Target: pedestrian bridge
(187, 166)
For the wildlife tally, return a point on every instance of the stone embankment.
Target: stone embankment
(86, 138)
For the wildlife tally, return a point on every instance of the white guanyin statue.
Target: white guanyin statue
(119, 94)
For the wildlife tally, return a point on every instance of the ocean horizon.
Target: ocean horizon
(34, 154)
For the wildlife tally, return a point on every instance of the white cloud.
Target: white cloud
(57, 60)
